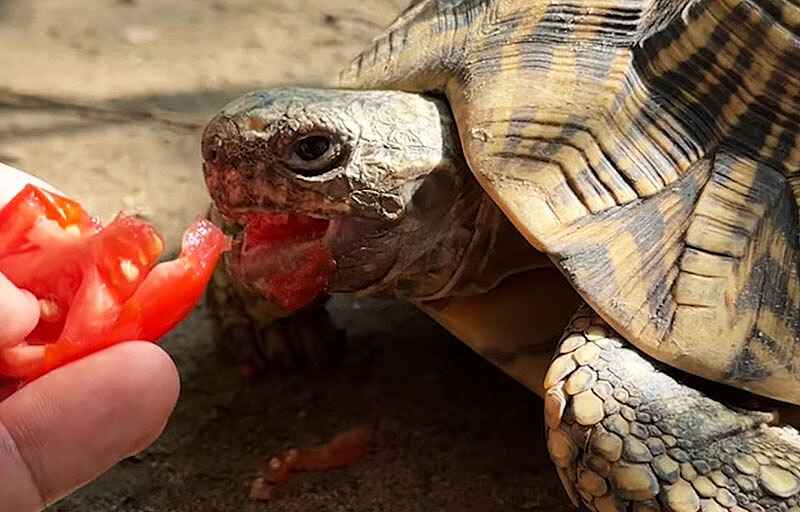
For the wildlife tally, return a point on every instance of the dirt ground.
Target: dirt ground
(454, 433)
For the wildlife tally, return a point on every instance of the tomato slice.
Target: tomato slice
(164, 298)
(55, 268)
(96, 286)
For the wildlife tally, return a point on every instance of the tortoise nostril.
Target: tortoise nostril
(212, 150)
(217, 132)
(211, 155)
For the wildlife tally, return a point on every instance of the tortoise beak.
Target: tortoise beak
(217, 153)
(221, 128)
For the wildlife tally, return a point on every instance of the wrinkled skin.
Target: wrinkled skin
(407, 219)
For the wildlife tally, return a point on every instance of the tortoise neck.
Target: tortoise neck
(496, 251)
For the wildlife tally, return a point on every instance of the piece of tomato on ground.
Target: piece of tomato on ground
(96, 286)
(345, 449)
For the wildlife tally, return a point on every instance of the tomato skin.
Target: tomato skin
(32, 204)
(97, 286)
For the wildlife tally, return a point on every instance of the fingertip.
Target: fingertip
(19, 310)
(150, 391)
(74, 423)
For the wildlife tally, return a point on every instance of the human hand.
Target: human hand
(66, 428)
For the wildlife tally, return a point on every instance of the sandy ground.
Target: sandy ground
(454, 433)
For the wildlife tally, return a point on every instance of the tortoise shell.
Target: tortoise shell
(650, 148)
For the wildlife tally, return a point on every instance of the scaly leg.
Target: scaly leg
(628, 433)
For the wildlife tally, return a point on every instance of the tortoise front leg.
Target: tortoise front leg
(628, 433)
(257, 334)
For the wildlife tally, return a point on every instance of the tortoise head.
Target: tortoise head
(351, 191)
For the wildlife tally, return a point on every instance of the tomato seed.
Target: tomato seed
(73, 230)
(129, 270)
(49, 311)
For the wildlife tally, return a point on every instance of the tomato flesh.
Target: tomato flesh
(97, 286)
(285, 257)
(33, 205)
(266, 230)
(308, 277)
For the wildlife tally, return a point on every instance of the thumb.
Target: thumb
(19, 310)
(68, 427)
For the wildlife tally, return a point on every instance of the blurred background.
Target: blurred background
(106, 99)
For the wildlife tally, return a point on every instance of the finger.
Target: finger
(66, 428)
(19, 311)
(12, 180)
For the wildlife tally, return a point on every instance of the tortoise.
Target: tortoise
(598, 196)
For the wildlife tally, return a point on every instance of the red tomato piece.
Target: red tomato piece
(32, 205)
(165, 297)
(305, 281)
(124, 253)
(96, 286)
(270, 229)
(56, 269)
(345, 449)
(299, 279)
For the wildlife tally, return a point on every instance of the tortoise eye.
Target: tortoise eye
(312, 148)
(314, 155)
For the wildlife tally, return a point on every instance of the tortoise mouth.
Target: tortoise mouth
(282, 256)
(274, 230)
